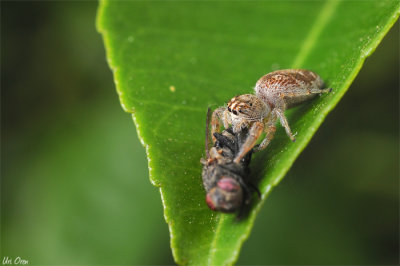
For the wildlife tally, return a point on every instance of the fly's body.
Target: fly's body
(226, 183)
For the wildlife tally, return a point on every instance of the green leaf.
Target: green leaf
(173, 59)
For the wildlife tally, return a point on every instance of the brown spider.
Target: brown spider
(274, 93)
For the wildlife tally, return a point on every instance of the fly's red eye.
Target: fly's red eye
(210, 202)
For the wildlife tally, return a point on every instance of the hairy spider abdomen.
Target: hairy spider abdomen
(293, 86)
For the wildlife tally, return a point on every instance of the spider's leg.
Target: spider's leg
(279, 110)
(216, 117)
(256, 190)
(227, 118)
(254, 133)
(319, 91)
(270, 129)
(280, 113)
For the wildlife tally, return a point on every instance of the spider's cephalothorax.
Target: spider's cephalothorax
(244, 109)
(274, 93)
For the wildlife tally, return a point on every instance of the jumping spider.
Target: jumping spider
(274, 93)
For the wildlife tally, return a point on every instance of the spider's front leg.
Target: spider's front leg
(219, 114)
(254, 133)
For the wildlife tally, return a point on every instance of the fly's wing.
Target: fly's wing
(207, 141)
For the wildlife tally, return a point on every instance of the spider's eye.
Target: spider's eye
(251, 104)
(229, 109)
(234, 111)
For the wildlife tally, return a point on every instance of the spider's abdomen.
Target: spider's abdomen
(294, 86)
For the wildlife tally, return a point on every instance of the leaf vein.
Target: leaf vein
(324, 17)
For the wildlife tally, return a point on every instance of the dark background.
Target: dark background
(74, 180)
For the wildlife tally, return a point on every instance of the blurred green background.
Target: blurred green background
(74, 181)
